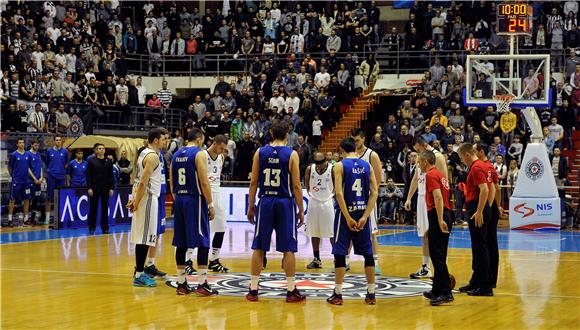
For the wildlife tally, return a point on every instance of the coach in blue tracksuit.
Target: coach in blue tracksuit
(56, 164)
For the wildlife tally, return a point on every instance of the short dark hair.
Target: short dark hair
(194, 134)
(480, 146)
(35, 141)
(96, 145)
(220, 139)
(428, 156)
(279, 130)
(155, 133)
(20, 139)
(358, 132)
(419, 140)
(347, 144)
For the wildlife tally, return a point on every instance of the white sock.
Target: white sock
(371, 288)
(181, 275)
(9, 217)
(189, 254)
(426, 261)
(376, 258)
(150, 261)
(26, 217)
(215, 254)
(202, 275)
(338, 288)
(347, 257)
(290, 280)
(47, 214)
(138, 274)
(254, 282)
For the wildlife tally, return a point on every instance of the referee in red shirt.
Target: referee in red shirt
(479, 215)
(494, 201)
(437, 195)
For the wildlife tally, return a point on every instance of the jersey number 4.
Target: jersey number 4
(271, 177)
(357, 187)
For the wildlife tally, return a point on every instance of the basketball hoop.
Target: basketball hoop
(503, 102)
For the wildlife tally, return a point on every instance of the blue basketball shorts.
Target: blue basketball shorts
(276, 214)
(343, 236)
(20, 192)
(161, 218)
(190, 222)
(52, 184)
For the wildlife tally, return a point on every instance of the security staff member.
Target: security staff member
(494, 201)
(479, 215)
(100, 184)
(437, 195)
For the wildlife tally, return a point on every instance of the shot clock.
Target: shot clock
(514, 18)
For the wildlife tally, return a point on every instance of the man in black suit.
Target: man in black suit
(100, 183)
(408, 173)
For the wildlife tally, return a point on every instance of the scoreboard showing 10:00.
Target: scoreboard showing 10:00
(514, 18)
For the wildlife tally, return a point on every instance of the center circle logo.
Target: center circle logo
(313, 285)
(534, 169)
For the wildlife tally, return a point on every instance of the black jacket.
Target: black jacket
(562, 167)
(100, 174)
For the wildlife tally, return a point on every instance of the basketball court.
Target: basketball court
(66, 279)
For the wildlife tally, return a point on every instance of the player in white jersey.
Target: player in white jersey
(371, 157)
(418, 185)
(215, 162)
(320, 217)
(144, 204)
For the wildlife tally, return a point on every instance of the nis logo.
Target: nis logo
(527, 211)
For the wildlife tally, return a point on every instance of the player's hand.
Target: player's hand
(407, 205)
(131, 206)
(110, 192)
(211, 212)
(300, 219)
(360, 224)
(443, 227)
(478, 216)
(90, 191)
(251, 213)
(502, 211)
(351, 223)
(37, 182)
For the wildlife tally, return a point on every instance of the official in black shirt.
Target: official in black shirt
(101, 184)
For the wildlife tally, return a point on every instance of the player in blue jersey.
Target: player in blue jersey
(77, 171)
(37, 177)
(56, 163)
(150, 268)
(356, 193)
(193, 209)
(19, 167)
(276, 171)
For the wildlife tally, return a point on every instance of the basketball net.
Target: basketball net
(503, 102)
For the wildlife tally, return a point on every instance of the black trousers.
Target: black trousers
(438, 242)
(103, 196)
(480, 264)
(492, 243)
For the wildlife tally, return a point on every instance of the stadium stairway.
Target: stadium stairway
(574, 165)
(352, 116)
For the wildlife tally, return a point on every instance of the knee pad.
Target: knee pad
(202, 256)
(339, 261)
(369, 260)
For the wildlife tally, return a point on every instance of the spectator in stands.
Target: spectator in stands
(389, 196)
(489, 124)
(559, 167)
(245, 149)
(165, 95)
(404, 138)
(36, 119)
(125, 168)
(62, 120)
(556, 132)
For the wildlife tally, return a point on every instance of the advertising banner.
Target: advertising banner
(535, 213)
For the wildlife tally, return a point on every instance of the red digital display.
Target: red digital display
(514, 18)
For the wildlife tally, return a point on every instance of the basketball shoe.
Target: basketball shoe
(217, 266)
(153, 272)
(315, 264)
(183, 289)
(204, 290)
(370, 299)
(144, 281)
(442, 299)
(189, 270)
(294, 296)
(424, 271)
(335, 299)
(252, 295)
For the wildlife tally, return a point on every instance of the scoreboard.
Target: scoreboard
(514, 18)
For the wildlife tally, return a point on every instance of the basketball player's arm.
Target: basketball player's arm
(376, 167)
(171, 181)
(438, 197)
(441, 165)
(150, 162)
(498, 199)
(412, 190)
(371, 201)
(253, 186)
(339, 195)
(482, 200)
(201, 166)
(307, 179)
(297, 185)
(491, 194)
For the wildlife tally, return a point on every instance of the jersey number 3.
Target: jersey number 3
(271, 177)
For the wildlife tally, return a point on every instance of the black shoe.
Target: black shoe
(153, 272)
(217, 266)
(189, 270)
(105, 231)
(442, 299)
(480, 292)
(91, 232)
(466, 288)
(429, 295)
